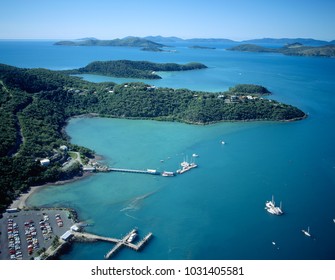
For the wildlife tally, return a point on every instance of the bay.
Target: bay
(217, 210)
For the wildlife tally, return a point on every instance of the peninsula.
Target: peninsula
(294, 49)
(36, 103)
(133, 69)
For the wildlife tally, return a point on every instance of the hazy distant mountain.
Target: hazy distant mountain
(162, 39)
(284, 41)
(295, 49)
(87, 38)
(210, 40)
(272, 41)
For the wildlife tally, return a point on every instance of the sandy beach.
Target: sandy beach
(20, 201)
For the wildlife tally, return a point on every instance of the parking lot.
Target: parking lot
(24, 233)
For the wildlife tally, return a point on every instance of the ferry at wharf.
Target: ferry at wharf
(167, 174)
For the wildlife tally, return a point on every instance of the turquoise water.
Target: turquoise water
(217, 210)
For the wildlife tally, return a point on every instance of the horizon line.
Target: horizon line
(166, 37)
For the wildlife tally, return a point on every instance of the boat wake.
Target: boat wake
(130, 216)
(135, 203)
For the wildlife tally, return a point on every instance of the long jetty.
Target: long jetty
(118, 242)
(148, 171)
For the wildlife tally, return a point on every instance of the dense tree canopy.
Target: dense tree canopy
(133, 69)
(35, 104)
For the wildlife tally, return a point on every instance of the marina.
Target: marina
(94, 166)
(119, 243)
(185, 166)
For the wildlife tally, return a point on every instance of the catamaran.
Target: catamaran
(271, 207)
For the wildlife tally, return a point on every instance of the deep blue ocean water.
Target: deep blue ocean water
(217, 210)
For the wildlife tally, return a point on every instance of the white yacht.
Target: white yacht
(306, 232)
(271, 207)
(186, 166)
(132, 237)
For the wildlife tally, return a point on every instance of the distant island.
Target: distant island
(294, 49)
(152, 49)
(36, 104)
(125, 42)
(202, 47)
(155, 43)
(133, 69)
(270, 41)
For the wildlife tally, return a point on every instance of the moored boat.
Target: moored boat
(186, 166)
(167, 174)
(306, 232)
(132, 237)
(271, 207)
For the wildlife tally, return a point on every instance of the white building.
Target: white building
(75, 228)
(45, 162)
(67, 235)
(63, 148)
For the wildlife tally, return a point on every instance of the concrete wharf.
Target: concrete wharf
(139, 245)
(148, 171)
(119, 242)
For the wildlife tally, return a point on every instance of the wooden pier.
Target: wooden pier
(119, 242)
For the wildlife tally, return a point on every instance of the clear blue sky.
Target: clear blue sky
(109, 19)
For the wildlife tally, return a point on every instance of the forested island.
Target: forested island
(133, 69)
(125, 42)
(295, 49)
(35, 105)
(202, 47)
